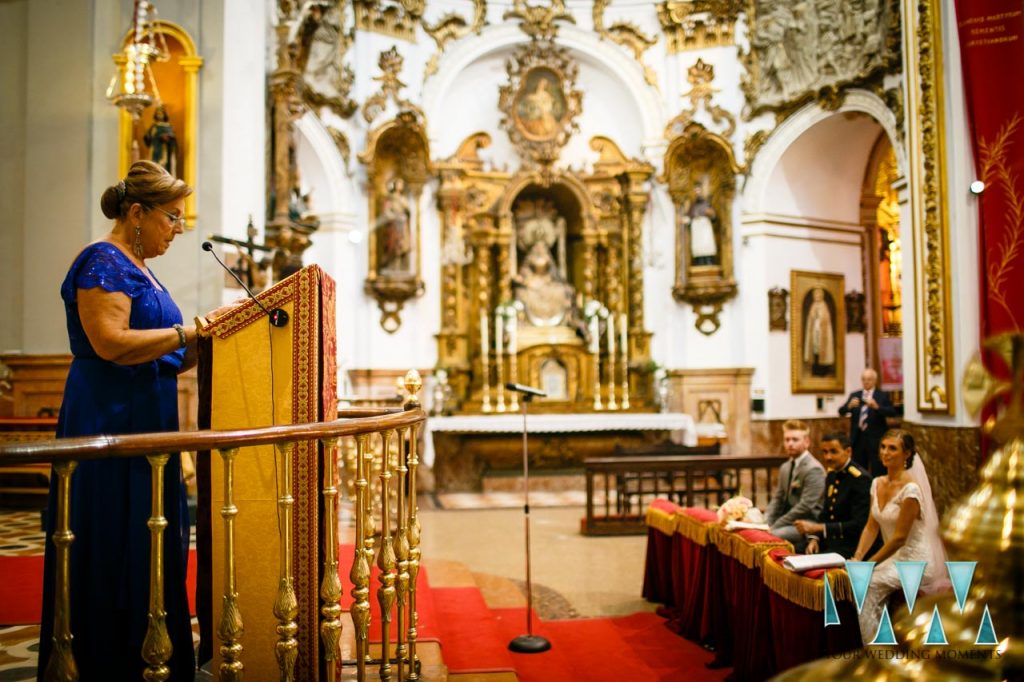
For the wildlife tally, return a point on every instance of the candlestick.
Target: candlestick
(513, 358)
(612, 403)
(594, 337)
(499, 342)
(625, 361)
(484, 351)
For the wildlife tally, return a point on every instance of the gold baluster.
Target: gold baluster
(369, 531)
(386, 560)
(156, 647)
(231, 628)
(61, 665)
(401, 544)
(330, 586)
(286, 606)
(413, 384)
(360, 574)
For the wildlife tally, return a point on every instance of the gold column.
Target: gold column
(286, 606)
(61, 665)
(636, 203)
(156, 647)
(330, 586)
(401, 544)
(386, 559)
(360, 574)
(589, 268)
(231, 628)
(412, 385)
(483, 264)
(191, 67)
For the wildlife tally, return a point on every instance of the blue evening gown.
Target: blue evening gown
(111, 498)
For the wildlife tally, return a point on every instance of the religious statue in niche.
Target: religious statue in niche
(700, 218)
(540, 284)
(393, 237)
(540, 106)
(162, 142)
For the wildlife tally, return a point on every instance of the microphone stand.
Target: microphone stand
(528, 643)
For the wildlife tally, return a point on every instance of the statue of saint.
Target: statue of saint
(702, 221)
(162, 142)
(546, 297)
(393, 238)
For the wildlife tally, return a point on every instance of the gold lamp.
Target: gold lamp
(128, 87)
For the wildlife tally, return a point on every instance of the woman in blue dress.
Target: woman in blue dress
(129, 344)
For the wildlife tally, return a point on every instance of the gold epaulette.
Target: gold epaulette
(854, 471)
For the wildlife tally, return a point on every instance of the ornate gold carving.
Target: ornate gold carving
(700, 76)
(452, 27)
(397, 19)
(698, 24)
(156, 646)
(342, 143)
(930, 223)
(390, 63)
(61, 665)
(231, 628)
(398, 161)
(540, 103)
(799, 53)
(996, 170)
(701, 174)
(629, 36)
(539, 22)
(751, 146)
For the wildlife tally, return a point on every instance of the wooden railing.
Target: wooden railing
(396, 538)
(629, 484)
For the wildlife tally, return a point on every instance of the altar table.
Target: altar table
(463, 448)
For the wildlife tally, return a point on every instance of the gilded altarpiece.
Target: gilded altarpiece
(538, 283)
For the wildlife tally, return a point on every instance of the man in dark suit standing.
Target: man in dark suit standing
(847, 501)
(867, 410)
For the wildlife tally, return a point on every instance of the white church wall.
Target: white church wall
(13, 78)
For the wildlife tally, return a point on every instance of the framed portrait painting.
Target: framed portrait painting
(540, 107)
(818, 332)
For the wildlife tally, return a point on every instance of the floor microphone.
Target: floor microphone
(528, 390)
(277, 316)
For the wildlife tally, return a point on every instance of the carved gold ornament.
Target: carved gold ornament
(390, 63)
(698, 24)
(538, 22)
(395, 18)
(452, 27)
(540, 103)
(700, 77)
(629, 36)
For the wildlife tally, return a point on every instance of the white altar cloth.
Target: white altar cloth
(560, 423)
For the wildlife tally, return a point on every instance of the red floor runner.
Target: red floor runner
(638, 648)
(471, 635)
(21, 588)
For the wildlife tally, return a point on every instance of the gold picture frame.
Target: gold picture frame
(818, 337)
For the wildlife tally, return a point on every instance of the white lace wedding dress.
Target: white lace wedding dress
(885, 580)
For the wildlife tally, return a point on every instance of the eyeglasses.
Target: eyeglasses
(176, 220)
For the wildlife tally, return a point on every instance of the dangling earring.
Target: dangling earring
(137, 244)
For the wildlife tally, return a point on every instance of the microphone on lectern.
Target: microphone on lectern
(277, 316)
(528, 390)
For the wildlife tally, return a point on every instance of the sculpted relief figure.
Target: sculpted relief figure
(800, 46)
(546, 297)
(702, 221)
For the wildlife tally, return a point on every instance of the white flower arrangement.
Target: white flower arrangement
(734, 509)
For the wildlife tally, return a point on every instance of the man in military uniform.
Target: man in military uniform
(847, 501)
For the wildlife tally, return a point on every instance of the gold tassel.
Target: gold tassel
(806, 592)
(694, 530)
(657, 519)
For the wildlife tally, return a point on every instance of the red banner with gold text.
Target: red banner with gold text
(992, 52)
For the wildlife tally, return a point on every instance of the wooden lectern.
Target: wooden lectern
(253, 374)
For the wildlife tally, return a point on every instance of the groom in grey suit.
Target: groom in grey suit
(800, 489)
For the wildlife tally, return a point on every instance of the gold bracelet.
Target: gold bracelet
(182, 339)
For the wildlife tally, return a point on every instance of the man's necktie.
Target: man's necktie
(863, 421)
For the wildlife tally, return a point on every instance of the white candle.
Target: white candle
(593, 334)
(611, 336)
(513, 323)
(624, 334)
(483, 333)
(499, 321)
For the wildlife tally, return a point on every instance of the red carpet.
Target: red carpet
(21, 588)
(638, 648)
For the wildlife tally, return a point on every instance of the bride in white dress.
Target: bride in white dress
(902, 508)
